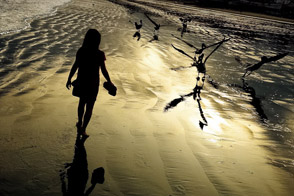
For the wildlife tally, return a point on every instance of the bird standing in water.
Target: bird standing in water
(156, 28)
(185, 25)
(138, 27)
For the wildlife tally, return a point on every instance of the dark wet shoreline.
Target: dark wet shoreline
(264, 11)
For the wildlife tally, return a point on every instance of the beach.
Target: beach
(246, 146)
(16, 15)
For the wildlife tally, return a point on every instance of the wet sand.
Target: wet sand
(237, 11)
(144, 150)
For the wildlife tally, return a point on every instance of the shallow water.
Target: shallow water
(249, 135)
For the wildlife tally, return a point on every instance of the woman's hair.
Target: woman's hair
(92, 39)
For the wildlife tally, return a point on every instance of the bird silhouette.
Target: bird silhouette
(263, 60)
(139, 25)
(185, 25)
(156, 26)
(199, 62)
(203, 45)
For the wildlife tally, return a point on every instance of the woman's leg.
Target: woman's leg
(81, 109)
(88, 114)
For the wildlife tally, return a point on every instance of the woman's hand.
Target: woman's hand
(111, 84)
(68, 84)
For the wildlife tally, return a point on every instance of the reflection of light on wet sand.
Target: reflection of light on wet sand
(216, 122)
(213, 140)
(151, 58)
(220, 101)
(214, 119)
(233, 151)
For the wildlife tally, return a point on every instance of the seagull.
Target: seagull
(203, 45)
(199, 63)
(263, 60)
(139, 26)
(185, 25)
(156, 26)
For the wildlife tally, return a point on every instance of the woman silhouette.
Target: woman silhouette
(88, 61)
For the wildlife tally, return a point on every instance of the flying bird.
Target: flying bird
(181, 51)
(156, 26)
(203, 45)
(264, 59)
(189, 44)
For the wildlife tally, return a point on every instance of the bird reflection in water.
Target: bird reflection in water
(75, 175)
(176, 101)
(255, 100)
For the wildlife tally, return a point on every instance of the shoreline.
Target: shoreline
(24, 22)
(242, 13)
(255, 15)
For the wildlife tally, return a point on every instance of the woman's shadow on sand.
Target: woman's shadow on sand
(75, 175)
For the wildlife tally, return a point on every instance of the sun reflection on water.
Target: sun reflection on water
(215, 121)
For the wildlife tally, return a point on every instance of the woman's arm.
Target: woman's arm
(72, 72)
(105, 72)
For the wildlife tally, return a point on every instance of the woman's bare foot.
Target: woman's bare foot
(83, 133)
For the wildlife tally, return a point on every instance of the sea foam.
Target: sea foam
(15, 14)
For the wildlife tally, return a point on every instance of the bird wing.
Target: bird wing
(277, 57)
(176, 101)
(270, 59)
(173, 103)
(181, 51)
(218, 45)
(184, 41)
(224, 40)
(151, 20)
